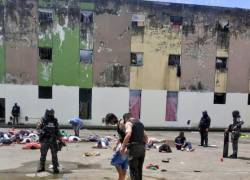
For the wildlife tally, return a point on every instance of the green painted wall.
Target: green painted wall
(83, 44)
(86, 75)
(45, 39)
(45, 73)
(87, 6)
(65, 54)
(45, 3)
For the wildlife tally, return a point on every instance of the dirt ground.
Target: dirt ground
(202, 164)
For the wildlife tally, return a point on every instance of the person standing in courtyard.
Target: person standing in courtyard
(15, 113)
(134, 141)
(118, 160)
(76, 124)
(235, 129)
(203, 128)
(48, 136)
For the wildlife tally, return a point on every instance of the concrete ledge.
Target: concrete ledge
(113, 128)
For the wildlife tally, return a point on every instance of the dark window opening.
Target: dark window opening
(85, 103)
(219, 98)
(136, 59)
(45, 54)
(176, 20)
(221, 64)
(138, 21)
(86, 56)
(174, 60)
(2, 110)
(45, 16)
(248, 101)
(86, 17)
(45, 92)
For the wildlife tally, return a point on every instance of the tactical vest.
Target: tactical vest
(137, 135)
(49, 128)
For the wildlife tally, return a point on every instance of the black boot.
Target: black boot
(233, 156)
(40, 168)
(56, 171)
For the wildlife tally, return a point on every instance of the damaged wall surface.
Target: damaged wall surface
(21, 42)
(239, 64)
(198, 51)
(87, 21)
(157, 41)
(66, 45)
(112, 45)
(2, 45)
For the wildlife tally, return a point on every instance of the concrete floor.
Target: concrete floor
(202, 164)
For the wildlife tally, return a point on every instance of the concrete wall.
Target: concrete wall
(192, 104)
(65, 106)
(239, 65)
(190, 107)
(2, 45)
(21, 42)
(153, 107)
(65, 101)
(158, 40)
(198, 50)
(66, 39)
(107, 100)
(111, 45)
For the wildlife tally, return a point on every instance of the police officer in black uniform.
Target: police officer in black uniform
(134, 141)
(204, 127)
(48, 136)
(235, 129)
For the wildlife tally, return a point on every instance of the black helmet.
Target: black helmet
(236, 113)
(51, 112)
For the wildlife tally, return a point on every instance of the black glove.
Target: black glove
(60, 145)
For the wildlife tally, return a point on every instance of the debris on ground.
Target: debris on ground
(165, 160)
(152, 166)
(89, 154)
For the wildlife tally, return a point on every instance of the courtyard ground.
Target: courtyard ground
(202, 164)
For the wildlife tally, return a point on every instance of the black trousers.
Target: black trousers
(235, 139)
(136, 160)
(15, 119)
(45, 146)
(204, 137)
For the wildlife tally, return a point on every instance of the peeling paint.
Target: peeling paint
(65, 51)
(46, 71)
(18, 78)
(61, 30)
(114, 75)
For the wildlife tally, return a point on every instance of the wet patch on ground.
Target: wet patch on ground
(28, 171)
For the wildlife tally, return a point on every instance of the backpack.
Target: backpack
(165, 148)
